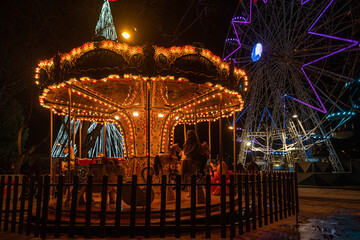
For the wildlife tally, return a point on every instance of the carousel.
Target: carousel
(146, 91)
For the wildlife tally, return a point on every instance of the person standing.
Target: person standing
(192, 151)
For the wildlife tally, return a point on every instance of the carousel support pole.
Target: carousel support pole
(67, 201)
(51, 141)
(104, 139)
(195, 112)
(74, 127)
(234, 141)
(69, 145)
(220, 134)
(80, 122)
(184, 131)
(73, 145)
(148, 125)
(209, 141)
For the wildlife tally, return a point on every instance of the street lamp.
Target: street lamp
(125, 35)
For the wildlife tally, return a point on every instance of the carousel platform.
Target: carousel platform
(185, 212)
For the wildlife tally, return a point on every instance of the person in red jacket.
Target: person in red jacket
(215, 189)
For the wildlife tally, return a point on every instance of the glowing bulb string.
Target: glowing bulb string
(202, 98)
(127, 51)
(96, 95)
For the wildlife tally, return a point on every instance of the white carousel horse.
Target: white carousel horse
(165, 161)
(164, 164)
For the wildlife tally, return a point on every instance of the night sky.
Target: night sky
(36, 30)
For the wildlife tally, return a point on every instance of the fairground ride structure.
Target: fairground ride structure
(300, 57)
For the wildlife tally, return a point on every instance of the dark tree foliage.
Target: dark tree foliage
(11, 119)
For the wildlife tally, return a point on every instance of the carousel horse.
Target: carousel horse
(64, 164)
(164, 162)
(112, 167)
(206, 152)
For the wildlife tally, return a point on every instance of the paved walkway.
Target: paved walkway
(324, 214)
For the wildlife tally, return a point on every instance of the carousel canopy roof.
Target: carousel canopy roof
(107, 80)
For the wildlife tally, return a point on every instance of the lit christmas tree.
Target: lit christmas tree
(114, 140)
(105, 25)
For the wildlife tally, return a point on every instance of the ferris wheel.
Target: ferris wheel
(300, 58)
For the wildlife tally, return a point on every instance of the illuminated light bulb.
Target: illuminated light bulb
(135, 114)
(161, 115)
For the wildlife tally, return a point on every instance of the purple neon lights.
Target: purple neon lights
(237, 36)
(238, 41)
(352, 44)
(323, 109)
(304, 1)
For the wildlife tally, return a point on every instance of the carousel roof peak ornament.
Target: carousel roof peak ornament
(110, 82)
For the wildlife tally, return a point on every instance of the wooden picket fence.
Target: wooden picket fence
(253, 200)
